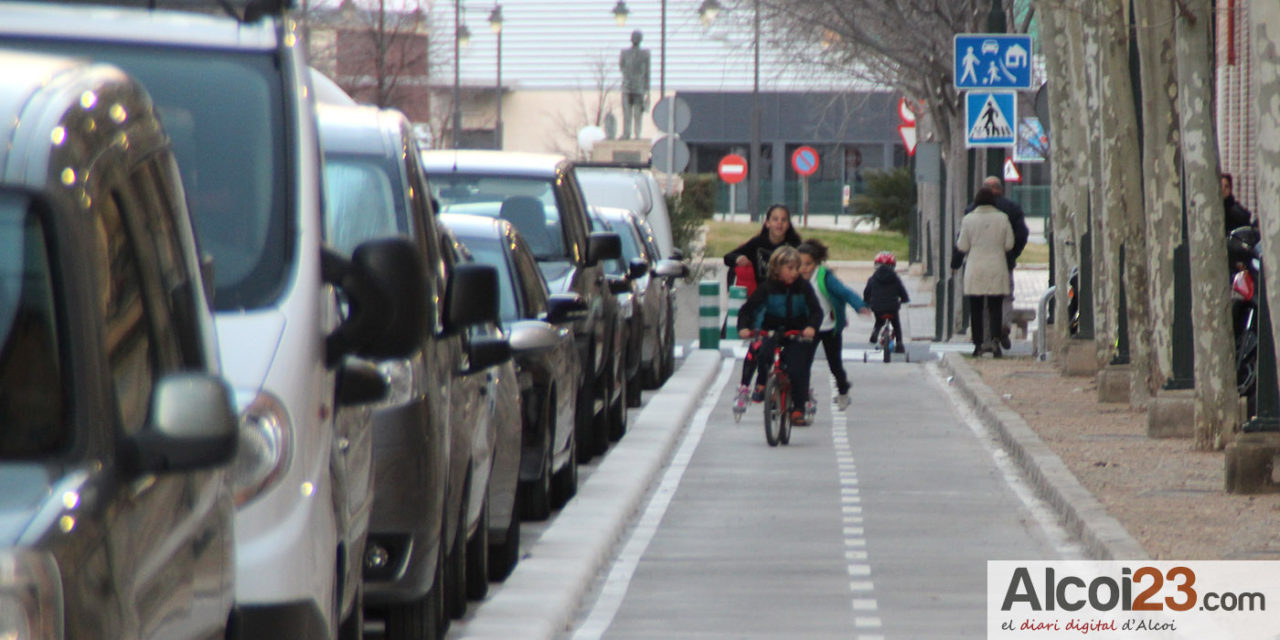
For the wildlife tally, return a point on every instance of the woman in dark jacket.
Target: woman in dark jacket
(775, 232)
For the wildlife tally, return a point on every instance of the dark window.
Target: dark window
(33, 399)
(531, 280)
(131, 352)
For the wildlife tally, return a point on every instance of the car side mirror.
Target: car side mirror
(487, 352)
(192, 425)
(637, 269)
(565, 307)
(360, 382)
(533, 336)
(386, 287)
(671, 269)
(603, 245)
(677, 255)
(472, 297)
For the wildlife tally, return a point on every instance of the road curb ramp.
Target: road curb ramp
(1102, 536)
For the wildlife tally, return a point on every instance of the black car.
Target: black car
(117, 517)
(539, 195)
(540, 328)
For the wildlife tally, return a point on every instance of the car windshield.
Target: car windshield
(611, 188)
(529, 204)
(488, 251)
(360, 202)
(224, 112)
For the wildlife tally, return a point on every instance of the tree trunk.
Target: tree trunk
(1064, 202)
(1217, 402)
(1103, 225)
(1121, 172)
(1160, 174)
(1264, 22)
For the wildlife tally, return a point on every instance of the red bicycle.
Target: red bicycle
(777, 392)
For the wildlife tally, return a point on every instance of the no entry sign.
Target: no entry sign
(805, 161)
(733, 168)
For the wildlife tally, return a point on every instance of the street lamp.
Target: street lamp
(461, 36)
(620, 12)
(495, 23)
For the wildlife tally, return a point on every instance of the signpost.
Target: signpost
(733, 168)
(989, 118)
(992, 61)
(805, 161)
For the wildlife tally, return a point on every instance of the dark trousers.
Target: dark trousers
(832, 343)
(797, 359)
(977, 327)
(893, 320)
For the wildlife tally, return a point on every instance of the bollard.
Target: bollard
(737, 296)
(709, 314)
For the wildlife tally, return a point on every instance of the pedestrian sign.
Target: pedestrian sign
(989, 118)
(992, 61)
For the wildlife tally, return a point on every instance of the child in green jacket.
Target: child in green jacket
(833, 295)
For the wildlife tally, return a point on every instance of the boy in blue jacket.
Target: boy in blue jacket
(785, 302)
(833, 295)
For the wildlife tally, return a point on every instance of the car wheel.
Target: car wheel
(618, 411)
(535, 497)
(503, 557)
(478, 557)
(668, 351)
(455, 569)
(564, 484)
(601, 427)
(633, 390)
(421, 619)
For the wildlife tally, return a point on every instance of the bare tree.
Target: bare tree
(594, 103)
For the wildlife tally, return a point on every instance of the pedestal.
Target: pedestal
(1113, 383)
(635, 151)
(1172, 414)
(1253, 463)
(1079, 358)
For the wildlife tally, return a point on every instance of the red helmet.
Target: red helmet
(886, 257)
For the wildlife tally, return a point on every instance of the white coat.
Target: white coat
(985, 236)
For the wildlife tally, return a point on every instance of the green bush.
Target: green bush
(890, 196)
(691, 209)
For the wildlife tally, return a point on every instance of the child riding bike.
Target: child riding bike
(885, 294)
(833, 295)
(783, 301)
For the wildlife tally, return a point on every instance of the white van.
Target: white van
(233, 93)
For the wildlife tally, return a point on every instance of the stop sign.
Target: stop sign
(733, 168)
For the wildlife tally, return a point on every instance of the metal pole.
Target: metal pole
(457, 75)
(753, 167)
(662, 63)
(497, 127)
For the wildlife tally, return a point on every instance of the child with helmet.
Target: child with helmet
(885, 294)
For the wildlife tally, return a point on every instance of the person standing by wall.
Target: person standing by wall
(986, 237)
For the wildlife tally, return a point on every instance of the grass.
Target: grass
(1034, 253)
(723, 237)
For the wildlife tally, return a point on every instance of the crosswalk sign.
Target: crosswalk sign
(989, 118)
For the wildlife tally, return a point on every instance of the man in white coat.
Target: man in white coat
(985, 237)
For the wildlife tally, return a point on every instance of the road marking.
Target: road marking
(616, 585)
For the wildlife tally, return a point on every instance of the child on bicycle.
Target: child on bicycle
(885, 294)
(833, 295)
(783, 302)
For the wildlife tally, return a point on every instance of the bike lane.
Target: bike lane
(873, 523)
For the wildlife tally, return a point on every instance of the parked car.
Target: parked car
(375, 188)
(621, 275)
(633, 187)
(539, 195)
(117, 517)
(540, 328)
(491, 391)
(232, 88)
(654, 283)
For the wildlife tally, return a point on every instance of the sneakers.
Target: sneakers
(797, 419)
(899, 349)
(744, 394)
(1004, 341)
(758, 394)
(842, 401)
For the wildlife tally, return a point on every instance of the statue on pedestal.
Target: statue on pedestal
(634, 63)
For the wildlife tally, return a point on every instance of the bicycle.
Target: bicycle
(741, 402)
(888, 340)
(777, 394)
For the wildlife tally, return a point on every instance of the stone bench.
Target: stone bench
(1020, 319)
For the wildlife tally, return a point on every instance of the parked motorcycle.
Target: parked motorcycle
(1073, 300)
(1245, 256)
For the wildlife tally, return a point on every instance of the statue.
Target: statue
(634, 63)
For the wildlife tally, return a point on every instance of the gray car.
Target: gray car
(116, 517)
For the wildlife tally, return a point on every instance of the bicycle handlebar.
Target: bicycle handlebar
(789, 333)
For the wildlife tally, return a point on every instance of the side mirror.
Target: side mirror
(619, 285)
(487, 352)
(360, 382)
(637, 269)
(192, 425)
(565, 307)
(532, 336)
(677, 255)
(603, 245)
(386, 287)
(670, 269)
(472, 297)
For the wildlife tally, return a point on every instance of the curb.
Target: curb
(1102, 536)
(583, 537)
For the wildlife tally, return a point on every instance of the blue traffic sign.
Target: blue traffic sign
(992, 61)
(989, 118)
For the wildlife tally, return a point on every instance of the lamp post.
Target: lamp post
(495, 23)
(461, 35)
(754, 169)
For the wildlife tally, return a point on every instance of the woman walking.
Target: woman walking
(985, 236)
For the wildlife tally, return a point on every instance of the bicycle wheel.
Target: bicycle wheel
(774, 412)
(784, 419)
(886, 343)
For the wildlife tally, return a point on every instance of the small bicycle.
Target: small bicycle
(740, 404)
(888, 340)
(777, 394)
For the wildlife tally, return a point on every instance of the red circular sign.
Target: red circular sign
(805, 160)
(733, 168)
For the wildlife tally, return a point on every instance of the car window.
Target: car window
(649, 239)
(529, 204)
(488, 251)
(531, 280)
(33, 398)
(423, 221)
(612, 188)
(360, 202)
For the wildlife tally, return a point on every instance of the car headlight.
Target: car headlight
(400, 383)
(266, 439)
(30, 595)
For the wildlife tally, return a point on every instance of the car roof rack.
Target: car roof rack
(614, 165)
(242, 10)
